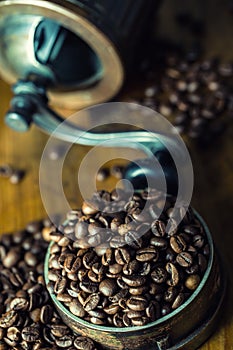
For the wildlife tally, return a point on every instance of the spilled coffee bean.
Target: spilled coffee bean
(28, 319)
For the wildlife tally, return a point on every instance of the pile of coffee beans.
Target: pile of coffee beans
(195, 94)
(127, 260)
(27, 317)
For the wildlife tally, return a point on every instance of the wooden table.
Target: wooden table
(213, 193)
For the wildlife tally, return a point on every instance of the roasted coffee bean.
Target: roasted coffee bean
(172, 270)
(202, 262)
(122, 256)
(19, 304)
(11, 258)
(153, 311)
(159, 243)
(178, 243)
(83, 343)
(8, 319)
(118, 296)
(46, 314)
(91, 302)
(115, 269)
(89, 208)
(131, 268)
(30, 334)
(159, 275)
(112, 309)
(138, 290)
(198, 241)
(144, 269)
(13, 333)
(59, 330)
(108, 257)
(64, 342)
(81, 229)
(137, 303)
(178, 301)
(108, 287)
(60, 285)
(134, 281)
(117, 241)
(184, 259)
(147, 254)
(76, 308)
(192, 282)
(140, 273)
(158, 228)
(118, 320)
(89, 259)
(88, 286)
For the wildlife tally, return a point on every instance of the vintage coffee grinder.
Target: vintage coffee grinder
(74, 54)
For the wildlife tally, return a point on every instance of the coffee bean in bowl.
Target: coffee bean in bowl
(132, 271)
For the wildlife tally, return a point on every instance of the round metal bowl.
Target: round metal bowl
(187, 327)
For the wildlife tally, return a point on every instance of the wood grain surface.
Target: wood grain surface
(213, 168)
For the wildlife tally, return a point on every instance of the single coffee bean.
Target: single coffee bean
(88, 286)
(178, 301)
(159, 242)
(147, 254)
(46, 314)
(134, 281)
(127, 321)
(97, 313)
(122, 256)
(11, 258)
(19, 304)
(192, 282)
(202, 262)
(184, 259)
(91, 302)
(118, 320)
(170, 294)
(13, 333)
(89, 208)
(112, 309)
(153, 311)
(158, 228)
(83, 343)
(137, 303)
(59, 330)
(108, 257)
(159, 275)
(138, 290)
(30, 334)
(172, 270)
(178, 243)
(198, 241)
(76, 308)
(89, 259)
(8, 319)
(108, 287)
(140, 321)
(64, 342)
